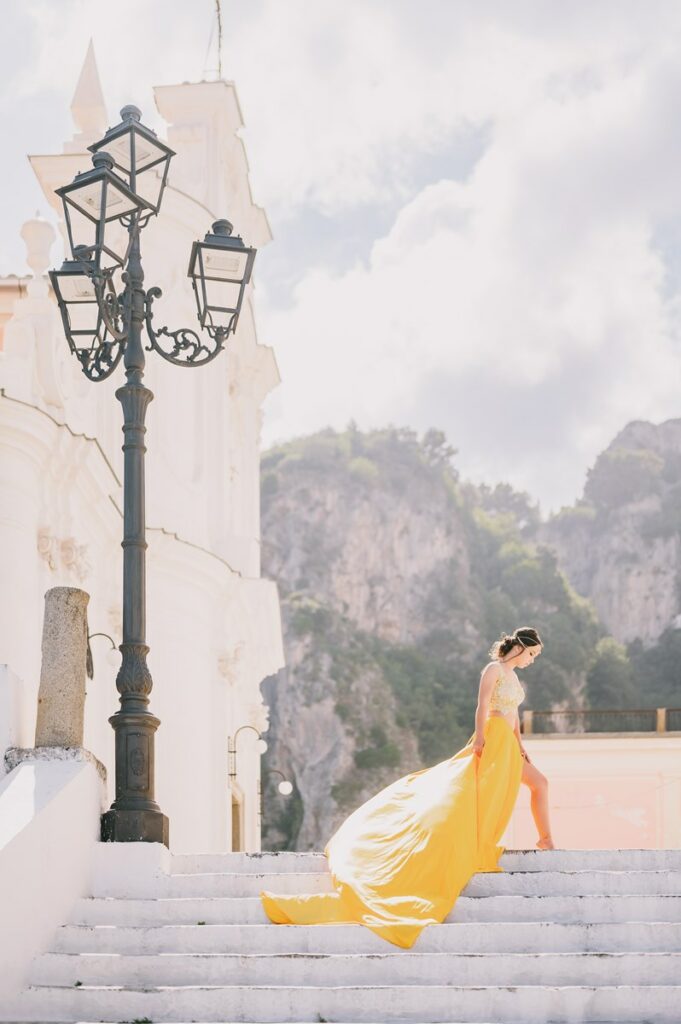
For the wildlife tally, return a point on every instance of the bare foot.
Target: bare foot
(545, 843)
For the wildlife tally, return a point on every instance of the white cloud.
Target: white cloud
(537, 273)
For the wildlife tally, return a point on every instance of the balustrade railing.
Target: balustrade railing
(601, 720)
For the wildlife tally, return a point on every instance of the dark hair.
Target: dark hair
(525, 636)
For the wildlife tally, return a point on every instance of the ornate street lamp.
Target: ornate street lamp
(105, 210)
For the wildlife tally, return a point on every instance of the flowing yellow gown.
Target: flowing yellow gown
(399, 862)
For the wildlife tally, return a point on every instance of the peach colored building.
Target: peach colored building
(606, 791)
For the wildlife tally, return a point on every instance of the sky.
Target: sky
(476, 206)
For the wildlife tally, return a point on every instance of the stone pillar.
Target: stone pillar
(61, 697)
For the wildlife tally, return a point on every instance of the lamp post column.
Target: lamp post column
(134, 815)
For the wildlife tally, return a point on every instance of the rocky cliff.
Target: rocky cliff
(620, 545)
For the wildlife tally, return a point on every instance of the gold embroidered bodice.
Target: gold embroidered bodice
(506, 695)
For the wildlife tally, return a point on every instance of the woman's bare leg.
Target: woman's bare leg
(539, 803)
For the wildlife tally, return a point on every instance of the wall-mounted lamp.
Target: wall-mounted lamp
(261, 747)
(284, 787)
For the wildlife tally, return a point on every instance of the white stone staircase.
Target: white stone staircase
(559, 936)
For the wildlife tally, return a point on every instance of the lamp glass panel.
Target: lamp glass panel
(117, 240)
(148, 185)
(147, 152)
(76, 288)
(120, 151)
(83, 229)
(225, 264)
(83, 317)
(223, 294)
(88, 199)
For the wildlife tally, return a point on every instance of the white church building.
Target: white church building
(213, 625)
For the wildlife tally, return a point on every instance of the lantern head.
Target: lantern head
(220, 268)
(93, 200)
(78, 293)
(139, 156)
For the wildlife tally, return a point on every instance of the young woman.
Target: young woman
(399, 862)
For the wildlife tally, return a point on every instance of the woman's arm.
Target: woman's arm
(488, 678)
(516, 730)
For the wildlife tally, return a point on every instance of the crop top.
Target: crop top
(506, 695)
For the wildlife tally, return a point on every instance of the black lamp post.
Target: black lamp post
(102, 325)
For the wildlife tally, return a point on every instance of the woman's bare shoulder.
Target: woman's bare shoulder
(491, 664)
(490, 670)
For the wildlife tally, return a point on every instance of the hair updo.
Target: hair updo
(526, 636)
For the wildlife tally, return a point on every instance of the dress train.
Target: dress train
(401, 859)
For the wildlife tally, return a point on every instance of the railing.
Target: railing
(612, 720)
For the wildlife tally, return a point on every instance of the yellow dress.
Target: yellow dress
(399, 862)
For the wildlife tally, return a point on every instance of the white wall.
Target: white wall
(49, 826)
(9, 712)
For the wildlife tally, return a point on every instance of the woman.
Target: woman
(399, 862)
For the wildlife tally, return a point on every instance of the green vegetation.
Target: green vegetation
(623, 474)
(658, 669)
(665, 521)
(610, 676)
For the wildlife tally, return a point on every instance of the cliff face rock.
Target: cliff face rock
(323, 722)
(364, 545)
(620, 545)
(394, 579)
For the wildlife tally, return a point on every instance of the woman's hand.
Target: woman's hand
(478, 744)
(524, 753)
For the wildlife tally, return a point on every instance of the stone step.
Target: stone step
(462, 937)
(575, 883)
(394, 1020)
(511, 860)
(517, 883)
(249, 910)
(323, 969)
(390, 1004)
(270, 861)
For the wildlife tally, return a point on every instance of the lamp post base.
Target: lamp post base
(135, 827)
